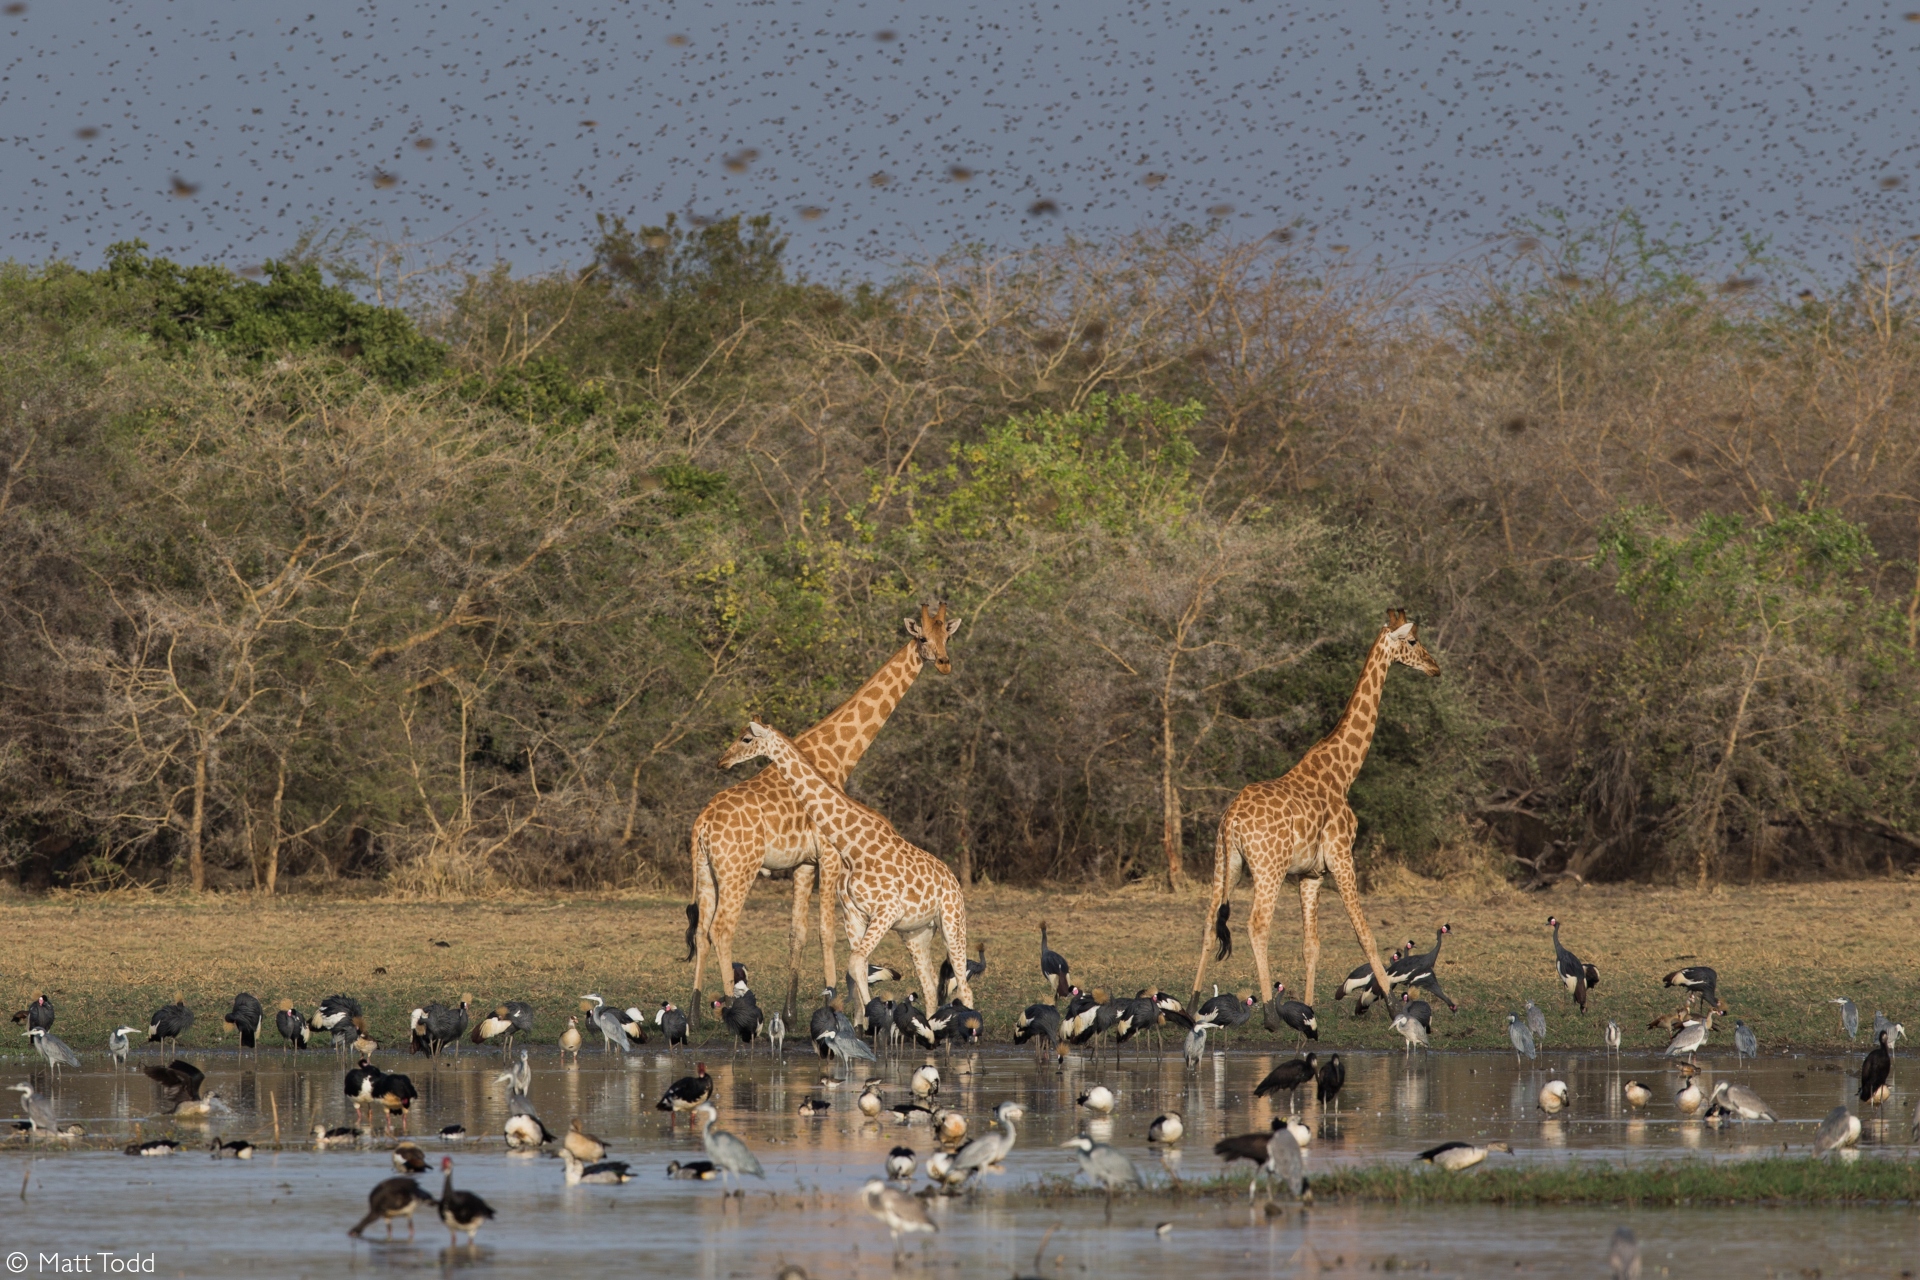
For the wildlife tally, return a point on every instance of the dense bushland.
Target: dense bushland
(296, 586)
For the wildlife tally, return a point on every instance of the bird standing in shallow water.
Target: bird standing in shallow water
(245, 1017)
(1329, 1080)
(1637, 1094)
(462, 1211)
(1104, 1165)
(685, 1094)
(1520, 1037)
(1849, 1016)
(896, 1210)
(727, 1152)
(1053, 966)
(1578, 978)
(1289, 1076)
(1612, 1037)
(1840, 1129)
(55, 1050)
(900, 1164)
(1745, 1043)
(392, 1198)
(1553, 1097)
(1167, 1128)
(1876, 1072)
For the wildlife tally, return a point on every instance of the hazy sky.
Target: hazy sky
(219, 130)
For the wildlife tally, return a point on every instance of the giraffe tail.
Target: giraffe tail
(1221, 934)
(693, 930)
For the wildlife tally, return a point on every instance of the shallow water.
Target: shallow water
(285, 1212)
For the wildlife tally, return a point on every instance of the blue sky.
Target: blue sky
(219, 130)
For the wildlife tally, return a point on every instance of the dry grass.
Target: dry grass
(1781, 952)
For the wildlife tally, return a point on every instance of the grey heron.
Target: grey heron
(896, 1210)
(462, 1212)
(519, 1076)
(607, 1022)
(727, 1152)
(1283, 1163)
(38, 1110)
(53, 1049)
(118, 1046)
(1456, 1156)
(1745, 1043)
(1849, 1016)
(1840, 1129)
(1691, 1037)
(1742, 1101)
(1623, 1256)
(1195, 1048)
(1553, 1097)
(1881, 1022)
(845, 1049)
(1411, 1029)
(990, 1148)
(1104, 1165)
(1519, 1037)
(1536, 1023)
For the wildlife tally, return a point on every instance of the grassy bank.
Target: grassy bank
(1775, 1181)
(1782, 953)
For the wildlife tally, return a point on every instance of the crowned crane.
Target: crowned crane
(55, 1050)
(1041, 1022)
(1364, 987)
(949, 986)
(169, 1023)
(1691, 1036)
(685, 1094)
(1289, 1077)
(987, 1151)
(509, 1018)
(1849, 1016)
(1577, 977)
(1418, 969)
(911, 1026)
(291, 1026)
(180, 1081)
(39, 1111)
(1053, 966)
(1281, 1012)
(1840, 1129)
(392, 1198)
(245, 1017)
(1102, 1164)
(1224, 1013)
(728, 1153)
(38, 1015)
(435, 1026)
(1168, 1127)
(607, 1022)
(1876, 1071)
(1456, 1156)
(462, 1212)
(1697, 980)
(951, 1022)
(337, 1015)
(900, 1164)
(897, 1211)
(1742, 1101)
(607, 1172)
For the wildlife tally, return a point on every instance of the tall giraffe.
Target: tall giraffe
(1300, 825)
(758, 824)
(886, 881)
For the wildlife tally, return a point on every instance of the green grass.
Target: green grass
(1784, 1180)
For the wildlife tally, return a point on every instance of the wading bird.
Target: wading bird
(1690, 1038)
(1103, 1165)
(340, 1017)
(1612, 1037)
(1053, 966)
(1742, 1101)
(685, 1094)
(1288, 1077)
(608, 1023)
(392, 1198)
(1168, 1128)
(462, 1212)
(1697, 980)
(1849, 1016)
(1520, 1037)
(1252, 1147)
(169, 1023)
(510, 1018)
(1456, 1156)
(118, 1046)
(1536, 1023)
(38, 1110)
(180, 1081)
(1840, 1129)
(291, 1026)
(728, 1153)
(55, 1050)
(1281, 1012)
(896, 1210)
(1330, 1080)
(1745, 1043)
(1876, 1071)
(1578, 978)
(987, 1151)
(245, 1017)
(603, 1172)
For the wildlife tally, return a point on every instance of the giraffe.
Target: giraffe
(1299, 825)
(886, 882)
(758, 825)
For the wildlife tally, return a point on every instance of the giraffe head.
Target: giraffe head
(931, 629)
(757, 741)
(1402, 639)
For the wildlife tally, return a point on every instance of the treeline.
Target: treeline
(301, 588)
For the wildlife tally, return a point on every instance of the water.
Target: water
(286, 1212)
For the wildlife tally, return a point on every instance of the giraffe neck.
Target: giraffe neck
(1345, 748)
(836, 744)
(827, 807)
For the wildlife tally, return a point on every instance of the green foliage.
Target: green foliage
(295, 311)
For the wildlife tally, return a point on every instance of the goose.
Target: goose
(1456, 1156)
(409, 1158)
(610, 1172)
(392, 1198)
(693, 1170)
(1098, 1099)
(338, 1136)
(950, 1125)
(869, 1099)
(584, 1146)
(570, 1040)
(685, 1094)
(1688, 1099)
(232, 1149)
(461, 1211)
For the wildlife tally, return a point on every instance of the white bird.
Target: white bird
(1455, 1156)
(1411, 1031)
(117, 1043)
(896, 1210)
(1638, 1095)
(900, 1164)
(1613, 1036)
(1170, 1127)
(926, 1081)
(777, 1033)
(869, 1099)
(1553, 1097)
(1840, 1129)
(1688, 1098)
(1742, 1101)
(1301, 1134)
(1098, 1099)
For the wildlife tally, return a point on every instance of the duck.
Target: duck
(1638, 1095)
(338, 1136)
(610, 1172)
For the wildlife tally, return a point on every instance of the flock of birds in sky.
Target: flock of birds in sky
(1069, 1017)
(874, 131)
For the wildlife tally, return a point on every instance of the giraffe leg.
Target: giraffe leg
(803, 876)
(953, 932)
(1310, 932)
(726, 919)
(1339, 837)
(878, 926)
(705, 899)
(1266, 896)
(830, 873)
(920, 947)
